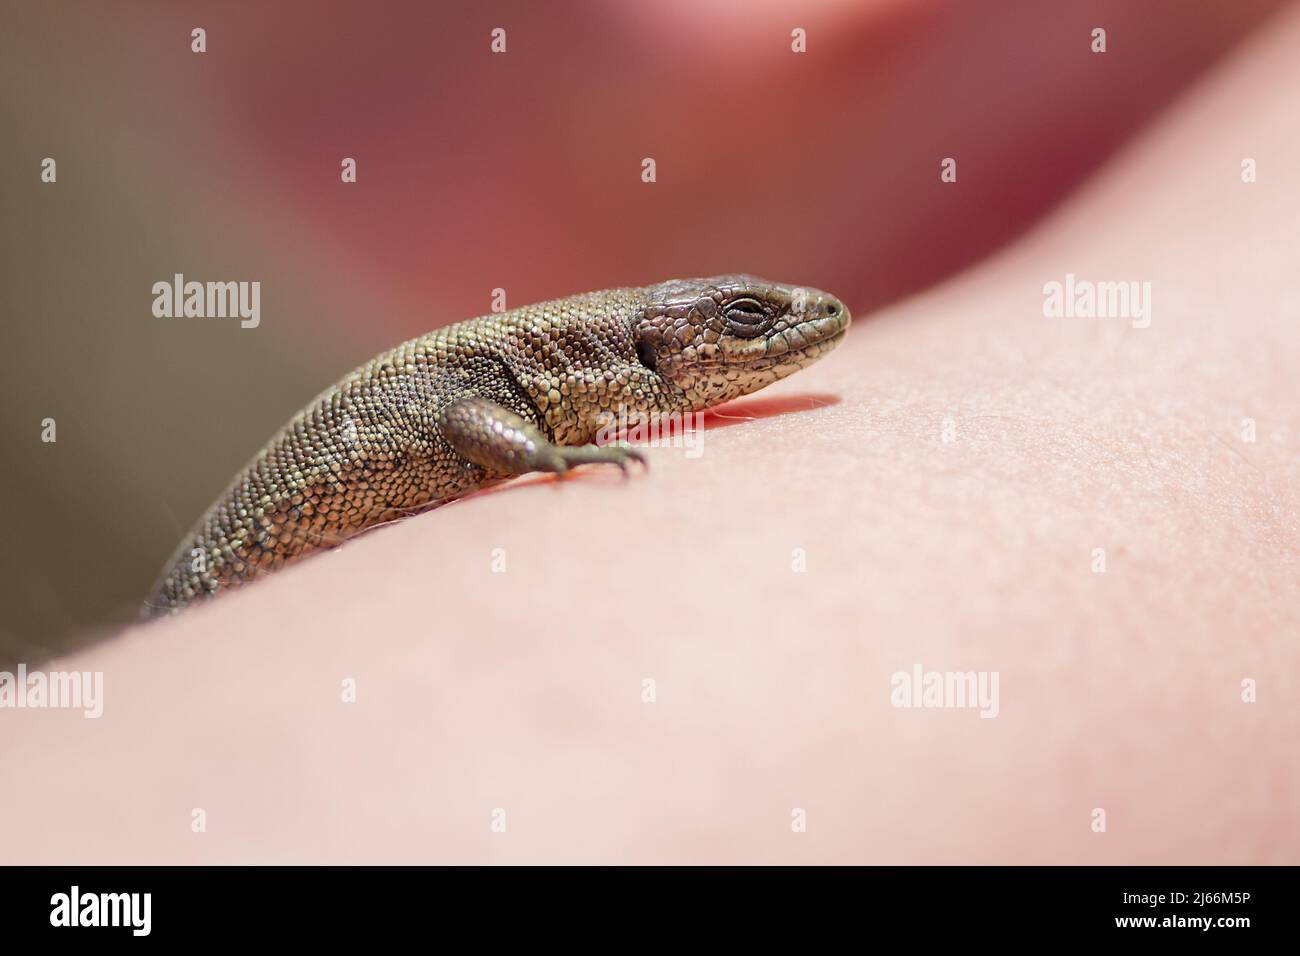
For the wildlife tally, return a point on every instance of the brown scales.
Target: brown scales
(492, 398)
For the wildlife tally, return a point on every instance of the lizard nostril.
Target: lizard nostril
(833, 309)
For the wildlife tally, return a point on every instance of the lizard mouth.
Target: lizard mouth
(800, 343)
(798, 358)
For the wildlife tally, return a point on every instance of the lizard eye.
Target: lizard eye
(745, 317)
(646, 354)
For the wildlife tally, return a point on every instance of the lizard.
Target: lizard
(481, 401)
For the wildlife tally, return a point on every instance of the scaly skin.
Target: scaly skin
(491, 398)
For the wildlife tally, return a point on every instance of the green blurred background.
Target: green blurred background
(475, 171)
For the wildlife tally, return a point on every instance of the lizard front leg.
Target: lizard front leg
(496, 438)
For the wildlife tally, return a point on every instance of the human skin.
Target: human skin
(523, 690)
(480, 172)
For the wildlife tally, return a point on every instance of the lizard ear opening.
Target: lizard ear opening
(646, 354)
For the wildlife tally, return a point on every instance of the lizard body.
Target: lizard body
(491, 398)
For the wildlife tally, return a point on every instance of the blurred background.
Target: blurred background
(475, 171)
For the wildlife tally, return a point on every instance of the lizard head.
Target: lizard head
(712, 340)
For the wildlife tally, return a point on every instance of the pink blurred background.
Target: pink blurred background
(475, 171)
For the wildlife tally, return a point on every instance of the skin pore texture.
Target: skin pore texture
(947, 476)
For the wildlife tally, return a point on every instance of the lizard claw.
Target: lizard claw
(618, 455)
(622, 454)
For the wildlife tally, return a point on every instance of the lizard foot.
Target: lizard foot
(563, 457)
